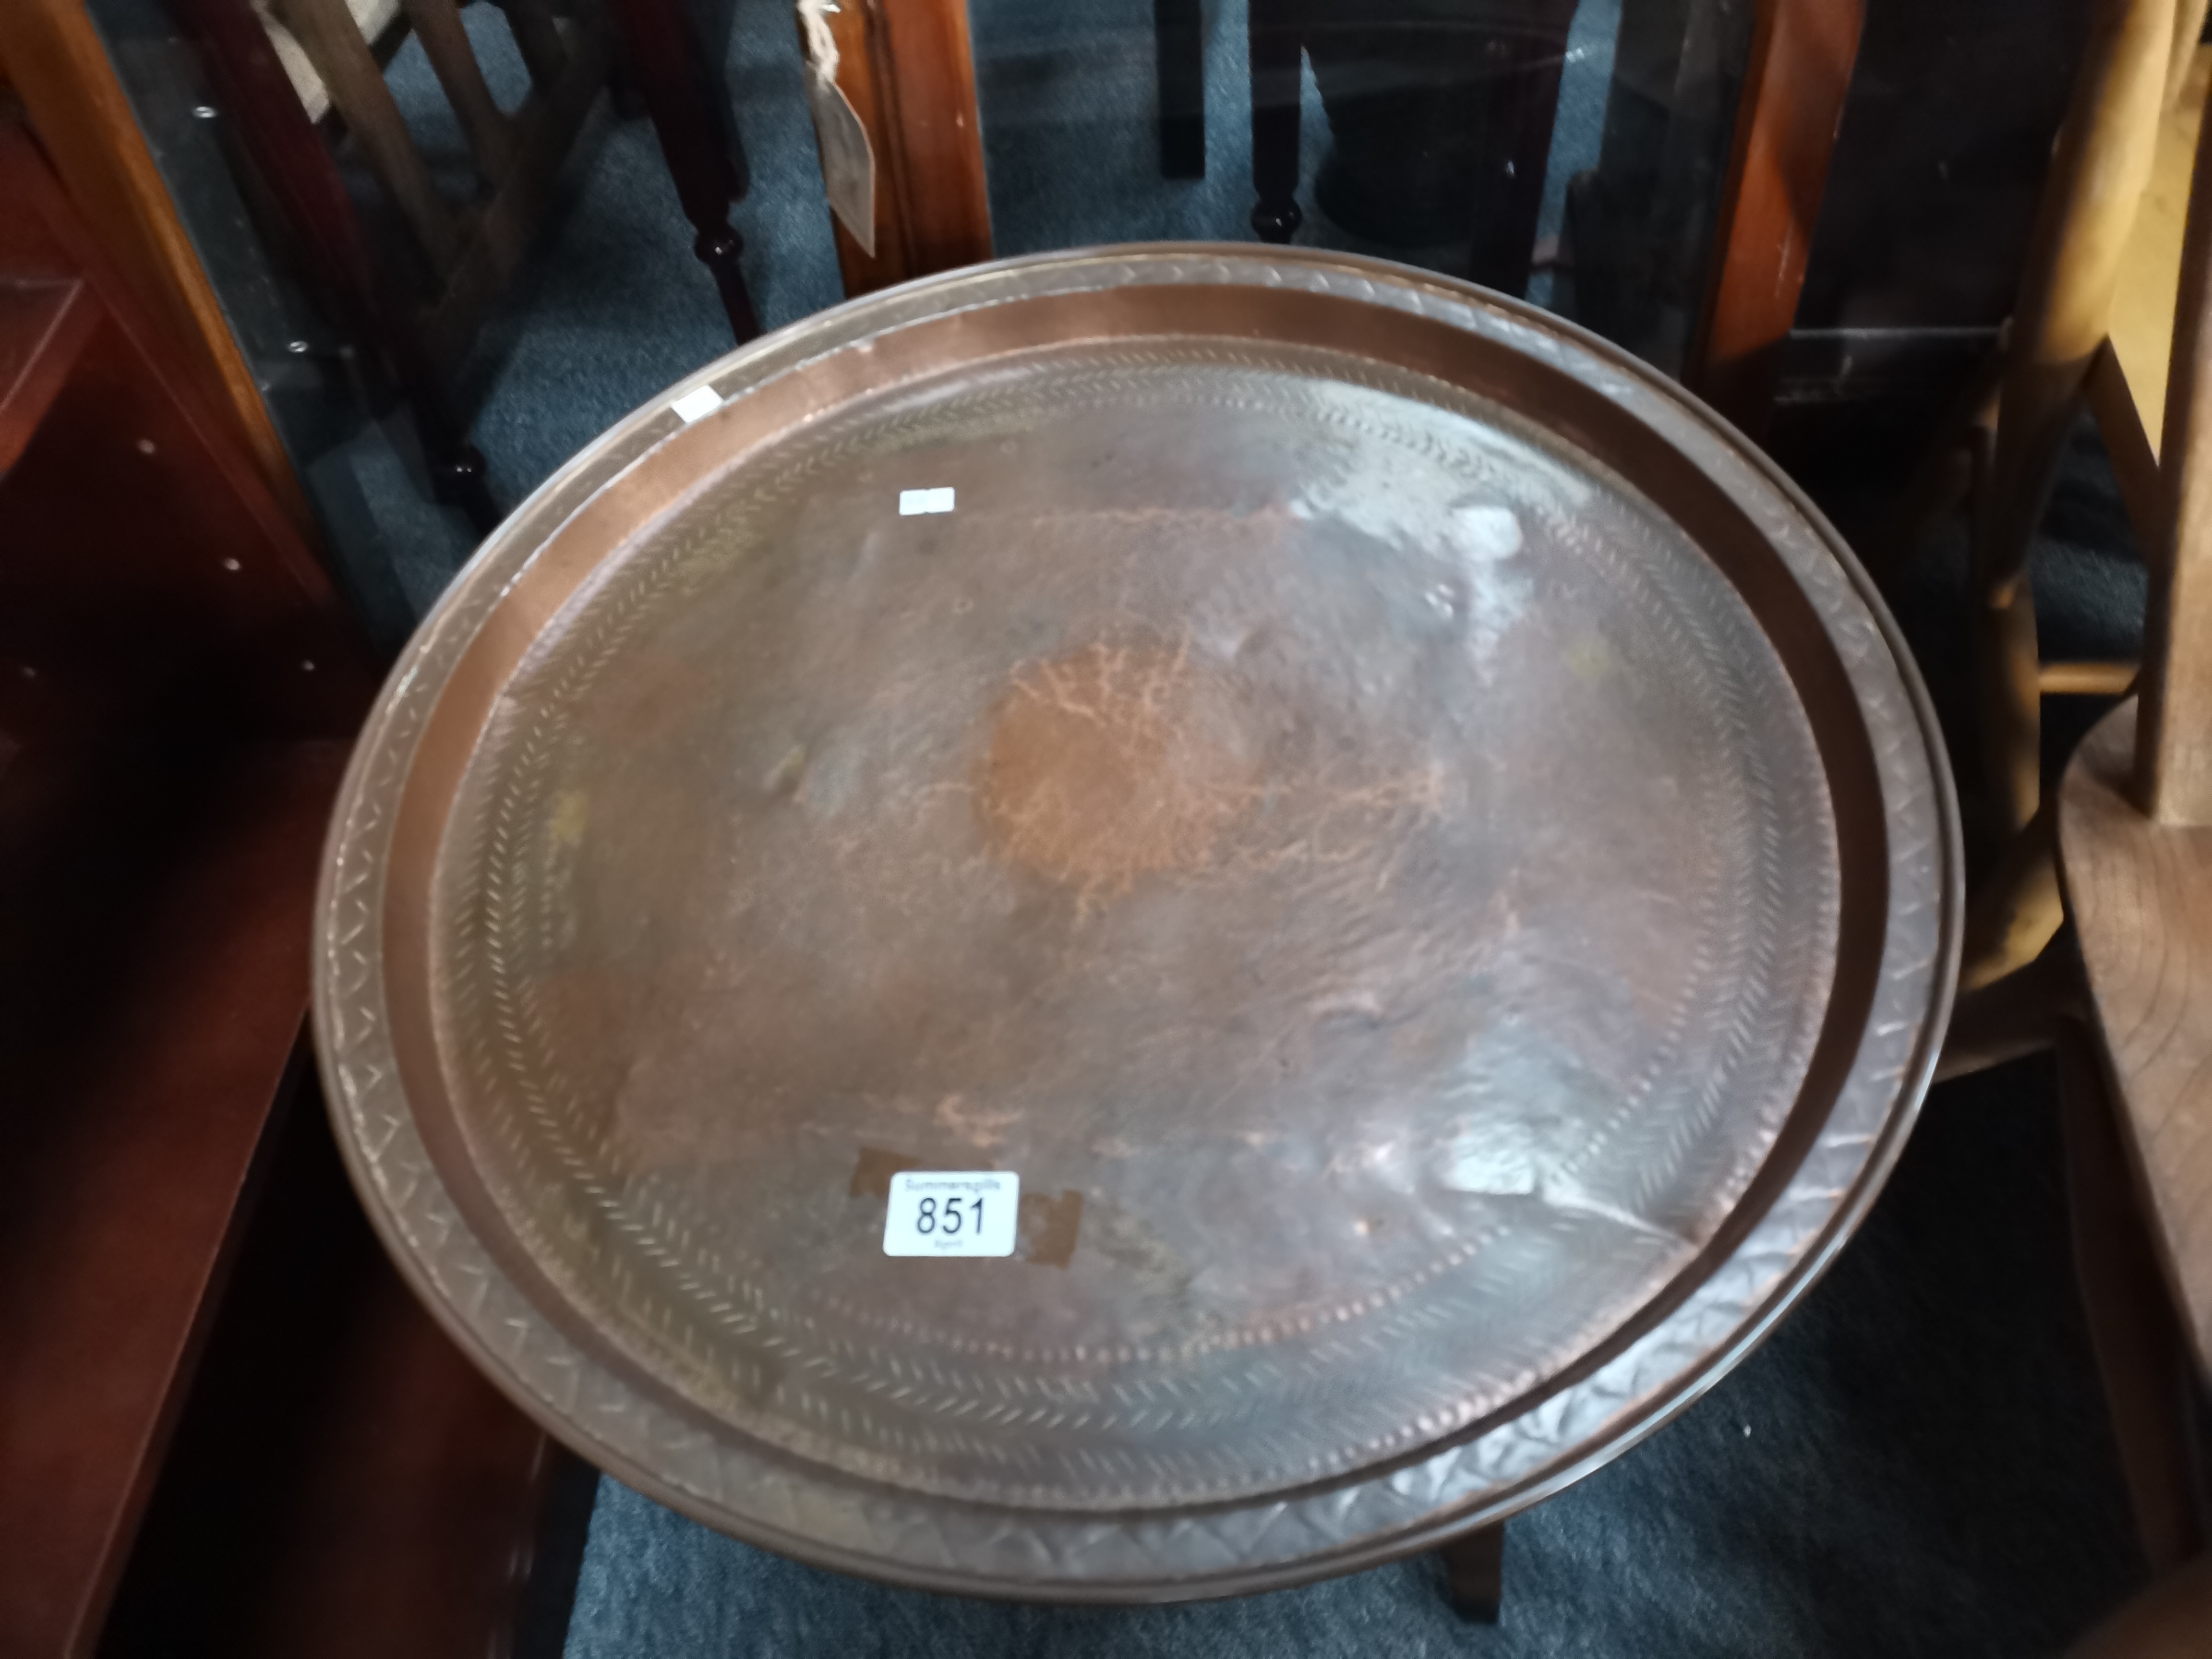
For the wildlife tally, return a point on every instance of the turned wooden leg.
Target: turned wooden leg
(2017, 909)
(669, 67)
(2002, 655)
(1514, 109)
(2009, 700)
(720, 249)
(1179, 37)
(1277, 65)
(1475, 1571)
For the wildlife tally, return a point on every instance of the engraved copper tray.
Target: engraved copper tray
(1415, 843)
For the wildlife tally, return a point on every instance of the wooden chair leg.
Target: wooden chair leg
(2141, 1355)
(1475, 1571)
(1514, 111)
(1179, 37)
(667, 65)
(1277, 77)
(2007, 685)
(2017, 909)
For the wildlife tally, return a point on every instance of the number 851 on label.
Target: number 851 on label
(951, 1212)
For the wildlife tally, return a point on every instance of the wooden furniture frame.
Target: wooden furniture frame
(57, 65)
(2135, 835)
(471, 249)
(156, 890)
(178, 684)
(351, 274)
(470, 252)
(2009, 428)
(2128, 1005)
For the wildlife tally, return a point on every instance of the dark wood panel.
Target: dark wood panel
(158, 612)
(152, 980)
(57, 63)
(132, 578)
(344, 1482)
(143, 559)
(44, 323)
(413, 1524)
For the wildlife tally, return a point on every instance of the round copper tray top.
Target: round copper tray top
(1417, 846)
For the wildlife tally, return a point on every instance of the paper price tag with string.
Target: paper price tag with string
(848, 161)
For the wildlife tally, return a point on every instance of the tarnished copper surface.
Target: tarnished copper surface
(1417, 848)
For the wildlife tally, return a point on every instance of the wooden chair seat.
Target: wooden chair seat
(2140, 893)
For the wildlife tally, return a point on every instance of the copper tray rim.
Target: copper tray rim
(824, 1513)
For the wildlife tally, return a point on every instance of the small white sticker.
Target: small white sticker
(911, 502)
(951, 1212)
(697, 404)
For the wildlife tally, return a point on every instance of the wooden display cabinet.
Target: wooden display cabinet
(225, 1427)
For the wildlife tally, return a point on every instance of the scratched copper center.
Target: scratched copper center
(1414, 848)
(1113, 762)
